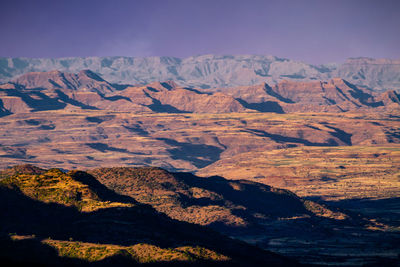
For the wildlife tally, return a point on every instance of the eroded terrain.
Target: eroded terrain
(335, 146)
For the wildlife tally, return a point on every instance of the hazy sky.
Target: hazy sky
(318, 31)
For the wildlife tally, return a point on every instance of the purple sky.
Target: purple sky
(312, 31)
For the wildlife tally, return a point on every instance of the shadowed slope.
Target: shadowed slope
(51, 202)
(230, 206)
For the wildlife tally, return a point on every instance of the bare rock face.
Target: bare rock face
(191, 101)
(85, 90)
(56, 90)
(169, 97)
(209, 71)
(380, 74)
(85, 80)
(336, 95)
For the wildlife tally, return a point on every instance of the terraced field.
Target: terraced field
(333, 173)
(184, 142)
(349, 161)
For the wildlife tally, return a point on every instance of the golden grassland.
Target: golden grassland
(139, 253)
(54, 186)
(332, 172)
(142, 253)
(67, 139)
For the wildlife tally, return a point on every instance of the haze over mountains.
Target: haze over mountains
(57, 90)
(211, 71)
(325, 140)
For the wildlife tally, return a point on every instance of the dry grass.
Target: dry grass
(137, 139)
(54, 186)
(142, 253)
(333, 172)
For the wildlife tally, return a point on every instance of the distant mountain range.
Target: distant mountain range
(211, 71)
(55, 90)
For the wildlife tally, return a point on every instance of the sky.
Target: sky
(313, 31)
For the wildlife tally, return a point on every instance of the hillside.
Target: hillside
(55, 90)
(73, 215)
(213, 71)
(86, 90)
(334, 144)
(177, 142)
(336, 95)
(335, 173)
(213, 201)
(145, 220)
(272, 218)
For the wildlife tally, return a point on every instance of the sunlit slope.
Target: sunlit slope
(334, 172)
(82, 221)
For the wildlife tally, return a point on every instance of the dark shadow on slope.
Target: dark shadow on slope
(101, 190)
(271, 92)
(287, 139)
(43, 124)
(363, 97)
(47, 127)
(38, 103)
(116, 98)
(330, 101)
(342, 135)
(157, 106)
(197, 91)
(93, 75)
(120, 226)
(268, 106)
(3, 110)
(15, 152)
(346, 97)
(73, 102)
(104, 148)
(200, 155)
(32, 252)
(100, 119)
(384, 210)
(136, 129)
(253, 196)
(166, 85)
(54, 83)
(120, 87)
(34, 122)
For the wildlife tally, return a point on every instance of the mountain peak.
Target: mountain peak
(212, 71)
(84, 80)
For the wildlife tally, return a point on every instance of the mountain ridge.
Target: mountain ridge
(211, 71)
(55, 90)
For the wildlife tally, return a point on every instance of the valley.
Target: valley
(309, 170)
